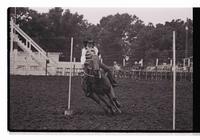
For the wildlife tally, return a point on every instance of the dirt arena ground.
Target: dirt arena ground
(38, 103)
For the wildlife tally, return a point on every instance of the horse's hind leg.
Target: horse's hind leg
(97, 100)
(103, 99)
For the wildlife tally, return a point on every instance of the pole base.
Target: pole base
(68, 112)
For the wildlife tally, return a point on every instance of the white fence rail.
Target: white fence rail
(154, 75)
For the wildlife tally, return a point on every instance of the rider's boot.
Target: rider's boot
(117, 102)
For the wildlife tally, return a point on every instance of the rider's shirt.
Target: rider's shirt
(87, 53)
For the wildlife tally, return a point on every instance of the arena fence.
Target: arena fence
(154, 75)
(141, 75)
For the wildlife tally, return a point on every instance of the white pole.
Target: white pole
(124, 62)
(156, 62)
(174, 82)
(70, 76)
(170, 62)
(142, 62)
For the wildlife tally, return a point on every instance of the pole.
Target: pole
(156, 69)
(70, 76)
(46, 64)
(141, 62)
(174, 82)
(186, 41)
(156, 62)
(123, 63)
(68, 111)
(170, 62)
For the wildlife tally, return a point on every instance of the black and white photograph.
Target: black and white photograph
(88, 69)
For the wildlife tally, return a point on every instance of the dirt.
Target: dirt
(37, 103)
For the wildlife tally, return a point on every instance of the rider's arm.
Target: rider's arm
(83, 56)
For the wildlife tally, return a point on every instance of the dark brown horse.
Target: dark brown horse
(98, 88)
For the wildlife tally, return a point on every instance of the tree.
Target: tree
(53, 30)
(116, 35)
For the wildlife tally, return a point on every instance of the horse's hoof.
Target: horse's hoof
(117, 103)
(113, 111)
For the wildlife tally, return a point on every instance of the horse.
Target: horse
(100, 90)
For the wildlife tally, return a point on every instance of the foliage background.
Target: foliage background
(116, 35)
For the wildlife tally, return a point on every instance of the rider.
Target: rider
(89, 53)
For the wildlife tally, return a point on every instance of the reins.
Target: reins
(92, 75)
(88, 74)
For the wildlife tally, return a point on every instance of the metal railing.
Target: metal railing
(29, 40)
